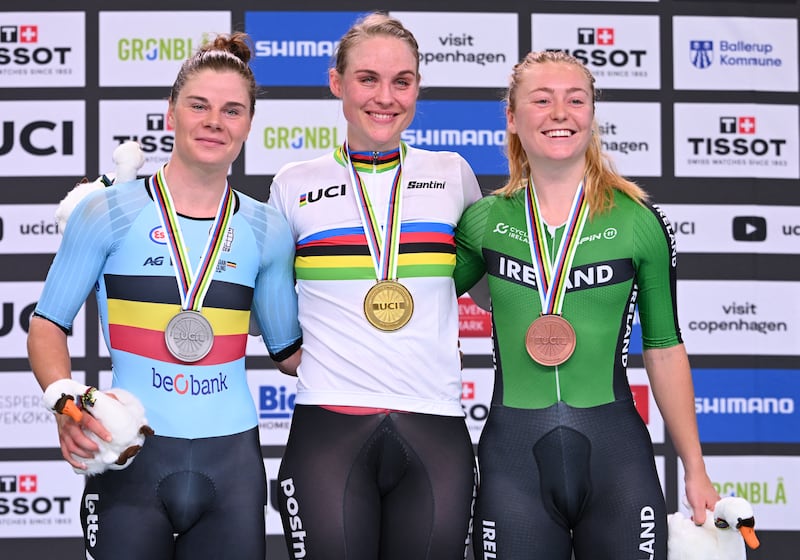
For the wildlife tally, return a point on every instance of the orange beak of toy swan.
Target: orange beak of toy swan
(750, 538)
(66, 405)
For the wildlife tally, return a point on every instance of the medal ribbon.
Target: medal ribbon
(384, 246)
(191, 285)
(551, 279)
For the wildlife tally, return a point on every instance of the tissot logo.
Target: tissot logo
(598, 36)
(154, 123)
(737, 125)
(23, 55)
(749, 228)
(747, 146)
(19, 33)
(23, 483)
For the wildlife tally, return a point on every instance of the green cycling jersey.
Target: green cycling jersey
(626, 258)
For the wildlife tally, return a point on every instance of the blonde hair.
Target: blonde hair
(375, 24)
(601, 176)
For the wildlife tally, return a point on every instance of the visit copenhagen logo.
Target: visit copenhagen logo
(732, 54)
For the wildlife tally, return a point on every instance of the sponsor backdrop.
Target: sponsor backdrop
(699, 104)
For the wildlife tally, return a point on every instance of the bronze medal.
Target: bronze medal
(189, 336)
(550, 340)
(388, 305)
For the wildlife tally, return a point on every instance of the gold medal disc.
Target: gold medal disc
(550, 340)
(388, 305)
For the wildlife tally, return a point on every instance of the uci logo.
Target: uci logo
(329, 192)
(51, 137)
(8, 317)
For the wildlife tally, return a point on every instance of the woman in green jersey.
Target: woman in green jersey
(571, 248)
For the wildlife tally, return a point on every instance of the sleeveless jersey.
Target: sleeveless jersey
(626, 258)
(347, 361)
(115, 243)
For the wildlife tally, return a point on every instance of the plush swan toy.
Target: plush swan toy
(119, 411)
(128, 159)
(722, 537)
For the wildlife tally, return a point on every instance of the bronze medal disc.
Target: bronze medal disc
(189, 336)
(550, 340)
(388, 305)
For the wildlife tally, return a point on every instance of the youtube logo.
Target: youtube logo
(749, 228)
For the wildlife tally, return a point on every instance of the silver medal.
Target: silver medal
(189, 336)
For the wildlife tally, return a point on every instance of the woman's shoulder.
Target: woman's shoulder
(437, 156)
(304, 169)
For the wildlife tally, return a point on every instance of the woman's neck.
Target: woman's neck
(194, 192)
(555, 190)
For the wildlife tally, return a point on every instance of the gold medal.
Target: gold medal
(388, 305)
(550, 340)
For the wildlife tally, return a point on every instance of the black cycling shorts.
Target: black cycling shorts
(561, 480)
(180, 499)
(386, 486)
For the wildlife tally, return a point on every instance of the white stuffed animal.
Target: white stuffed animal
(119, 411)
(723, 536)
(128, 159)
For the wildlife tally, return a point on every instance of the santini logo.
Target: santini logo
(426, 184)
(749, 228)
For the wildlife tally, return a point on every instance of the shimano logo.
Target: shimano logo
(296, 48)
(742, 405)
(295, 522)
(453, 137)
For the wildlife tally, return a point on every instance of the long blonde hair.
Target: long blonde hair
(601, 176)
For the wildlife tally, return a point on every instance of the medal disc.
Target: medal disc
(388, 305)
(550, 340)
(189, 336)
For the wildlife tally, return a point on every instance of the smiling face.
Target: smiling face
(211, 118)
(553, 114)
(378, 89)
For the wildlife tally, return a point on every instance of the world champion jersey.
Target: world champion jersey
(114, 242)
(626, 258)
(346, 360)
